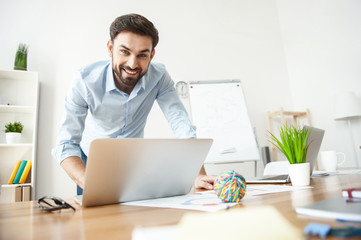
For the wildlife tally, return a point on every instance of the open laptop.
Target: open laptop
(315, 138)
(123, 170)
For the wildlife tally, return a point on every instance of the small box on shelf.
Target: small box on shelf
(10, 194)
(15, 193)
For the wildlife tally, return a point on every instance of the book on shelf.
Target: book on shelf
(20, 171)
(13, 174)
(25, 173)
(351, 193)
(335, 208)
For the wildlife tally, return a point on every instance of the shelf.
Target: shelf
(18, 75)
(19, 101)
(15, 185)
(5, 145)
(16, 109)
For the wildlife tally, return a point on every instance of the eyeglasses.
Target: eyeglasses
(50, 204)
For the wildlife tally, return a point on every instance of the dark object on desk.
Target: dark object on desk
(335, 208)
(266, 158)
(346, 232)
(50, 204)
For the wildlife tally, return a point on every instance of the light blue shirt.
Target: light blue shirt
(95, 108)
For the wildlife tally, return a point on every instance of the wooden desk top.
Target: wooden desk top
(25, 220)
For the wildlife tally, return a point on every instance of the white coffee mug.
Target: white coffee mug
(331, 159)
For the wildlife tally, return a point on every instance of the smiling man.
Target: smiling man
(112, 99)
(131, 55)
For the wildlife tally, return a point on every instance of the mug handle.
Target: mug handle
(343, 158)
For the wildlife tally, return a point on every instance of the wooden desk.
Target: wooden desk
(25, 220)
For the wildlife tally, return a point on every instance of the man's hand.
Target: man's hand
(204, 181)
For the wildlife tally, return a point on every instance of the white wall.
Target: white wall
(322, 42)
(199, 40)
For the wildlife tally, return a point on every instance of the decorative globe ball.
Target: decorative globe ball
(230, 186)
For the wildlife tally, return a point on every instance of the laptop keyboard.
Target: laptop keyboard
(278, 177)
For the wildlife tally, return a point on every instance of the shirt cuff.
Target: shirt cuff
(63, 151)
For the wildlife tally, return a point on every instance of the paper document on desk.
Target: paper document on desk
(208, 201)
(246, 223)
(256, 190)
(337, 172)
(205, 202)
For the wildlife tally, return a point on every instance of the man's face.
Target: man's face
(131, 55)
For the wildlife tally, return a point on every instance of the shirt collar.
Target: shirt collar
(140, 84)
(110, 85)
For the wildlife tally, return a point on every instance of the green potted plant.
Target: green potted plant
(21, 57)
(294, 145)
(13, 132)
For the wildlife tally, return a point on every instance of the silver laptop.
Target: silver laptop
(123, 170)
(315, 138)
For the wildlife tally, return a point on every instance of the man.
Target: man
(118, 95)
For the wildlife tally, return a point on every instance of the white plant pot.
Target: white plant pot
(299, 174)
(13, 137)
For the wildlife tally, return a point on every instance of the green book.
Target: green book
(20, 171)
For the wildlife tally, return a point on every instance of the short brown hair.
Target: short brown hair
(134, 23)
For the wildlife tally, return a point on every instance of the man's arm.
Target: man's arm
(75, 168)
(177, 116)
(174, 110)
(204, 181)
(68, 150)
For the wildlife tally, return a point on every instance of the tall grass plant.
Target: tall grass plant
(292, 142)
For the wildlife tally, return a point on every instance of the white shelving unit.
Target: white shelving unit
(19, 97)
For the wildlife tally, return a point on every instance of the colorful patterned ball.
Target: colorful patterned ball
(230, 186)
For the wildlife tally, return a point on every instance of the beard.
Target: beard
(127, 80)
